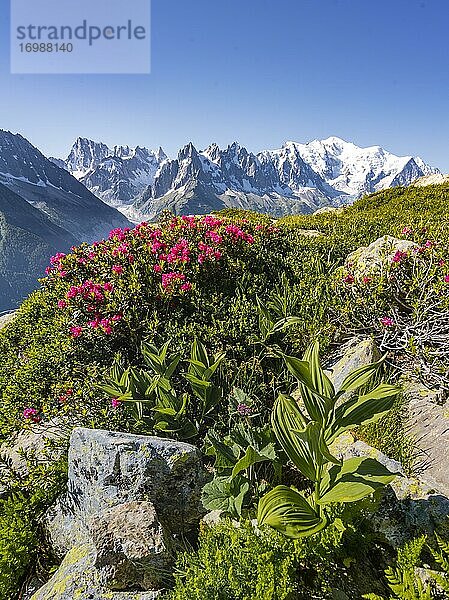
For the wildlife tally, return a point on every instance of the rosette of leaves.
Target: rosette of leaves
(306, 432)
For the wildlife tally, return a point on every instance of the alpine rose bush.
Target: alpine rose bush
(405, 304)
(184, 278)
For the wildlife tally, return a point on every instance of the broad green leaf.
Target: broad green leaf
(361, 376)
(287, 511)
(172, 366)
(111, 390)
(299, 369)
(250, 458)
(353, 480)
(286, 418)
(314, 403)
(169, 412)
(363, 410)
(320, 381)
(313, 436)
(226, 455)
(226, 494)
(211, 370)
(199, 353)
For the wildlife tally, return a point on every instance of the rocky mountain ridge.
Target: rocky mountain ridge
(297, 178)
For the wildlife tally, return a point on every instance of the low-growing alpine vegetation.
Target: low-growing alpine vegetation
(214, 330)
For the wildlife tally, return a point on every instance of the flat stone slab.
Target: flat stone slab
(428, 424)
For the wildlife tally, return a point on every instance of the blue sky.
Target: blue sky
(260, 72)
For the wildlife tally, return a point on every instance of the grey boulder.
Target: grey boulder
(408, 507)
(371, 259)
(108, 469)
(428, 424)
(132, 547)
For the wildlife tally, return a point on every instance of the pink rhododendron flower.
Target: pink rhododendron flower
(214, 237)
(108, 287)
(349, 279)
(62, 273)
(211, 222)
(157, 269)
(118, 234)
(115, 403)
(399, 255)
(441, 263)
(62, 304)
(31, 414)
(117, 269)
(367, 280)
(73, 292)
(387, 321)
(186, 287)
(76, 331)
(446, 279)
(56, 259)
(406, 231)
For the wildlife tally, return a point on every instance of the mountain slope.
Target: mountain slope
(27, 240)
(52, 190)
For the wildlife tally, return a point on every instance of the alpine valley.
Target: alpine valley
(49, 204)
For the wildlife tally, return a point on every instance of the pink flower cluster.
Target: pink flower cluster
(399, 256)
(179, 253)
(171, 281)
(387, 321)
(32, 414)
(175, 252)
(207, 253)
(64, 398)
(236, 233)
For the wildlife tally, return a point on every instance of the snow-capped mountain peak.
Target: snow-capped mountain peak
(117, 175)
(354, 171)
(328, 171)
(84, 156)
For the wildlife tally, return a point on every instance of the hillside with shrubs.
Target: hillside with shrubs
(218, 331)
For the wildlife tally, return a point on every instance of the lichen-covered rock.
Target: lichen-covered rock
(132, 547)
(428, 424)
(78, 579)
(369, 259)
(408, 507)
(356, 353)
(107, 469)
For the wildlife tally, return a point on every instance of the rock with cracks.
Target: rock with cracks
(130, 500)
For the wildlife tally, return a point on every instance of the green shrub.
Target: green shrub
(241, 563)
(18, 544)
